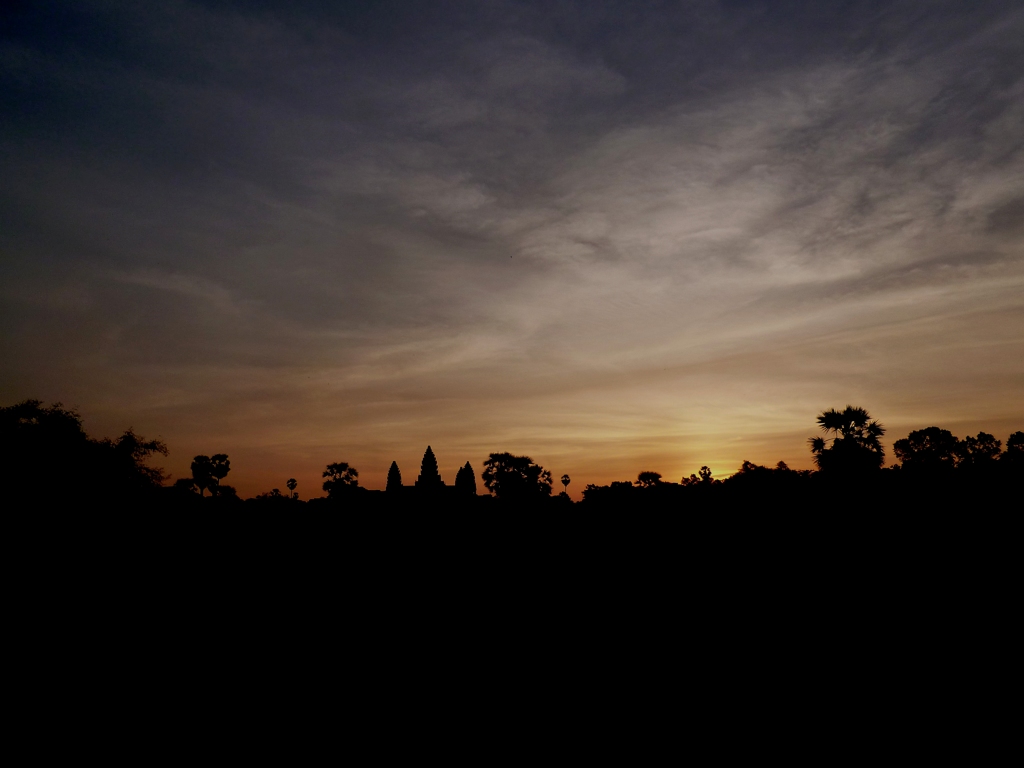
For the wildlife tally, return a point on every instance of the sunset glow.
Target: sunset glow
(610, 237)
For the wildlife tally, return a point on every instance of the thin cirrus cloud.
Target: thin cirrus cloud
(304, 238)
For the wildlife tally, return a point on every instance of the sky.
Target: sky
(614, 237)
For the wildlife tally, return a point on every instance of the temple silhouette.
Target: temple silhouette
(429, 484)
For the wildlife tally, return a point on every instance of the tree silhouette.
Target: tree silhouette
(28, 427)
(979, 452)
(465, 479)
(855, 444)
(927, 450)
(703, 477)
(394, 478)
(208, 471)
(515, 477)
(1013, 458)
(130, 451)
(341, 479)
(429, 477)
(48, 461)
(45, 451)
(648, 479)
(202, 473)
(221, 466)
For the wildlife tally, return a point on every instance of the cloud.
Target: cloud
(191, 286)
(613, 226)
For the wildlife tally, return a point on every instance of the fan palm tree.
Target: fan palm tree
(854, 443)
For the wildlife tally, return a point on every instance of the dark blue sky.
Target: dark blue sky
(615, 236)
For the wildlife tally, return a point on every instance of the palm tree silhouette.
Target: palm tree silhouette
(855, 439)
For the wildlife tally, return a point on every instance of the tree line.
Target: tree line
(47, 457)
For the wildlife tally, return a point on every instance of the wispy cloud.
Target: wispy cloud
(605, 237)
